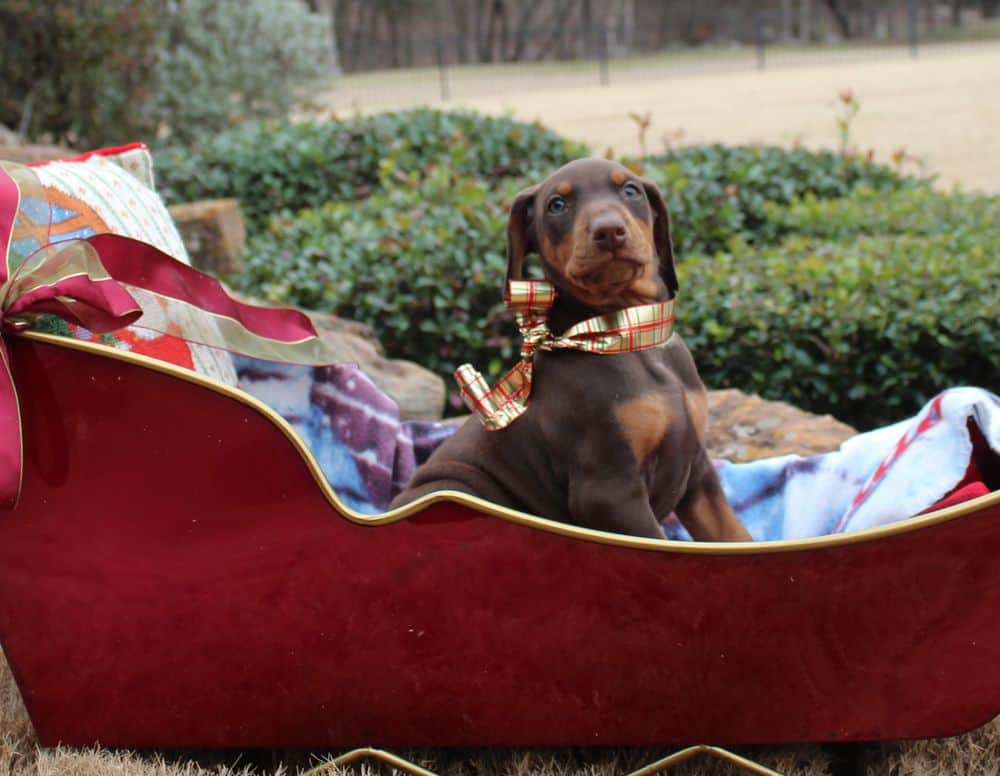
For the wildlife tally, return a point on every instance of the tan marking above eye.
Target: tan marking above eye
(565, 188)
(644, 422)
(618, 177)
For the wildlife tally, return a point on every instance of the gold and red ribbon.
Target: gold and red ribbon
(95, 282)
(624, 331)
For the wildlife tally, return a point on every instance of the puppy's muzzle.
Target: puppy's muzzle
(608, 232)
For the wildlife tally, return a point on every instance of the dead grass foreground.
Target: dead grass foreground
(974, 754)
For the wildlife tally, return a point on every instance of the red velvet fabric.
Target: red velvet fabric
(213, 598)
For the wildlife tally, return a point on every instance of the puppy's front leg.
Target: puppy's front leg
(704, 511)
(612, 502)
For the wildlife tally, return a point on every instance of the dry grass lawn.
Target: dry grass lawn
(942, 107)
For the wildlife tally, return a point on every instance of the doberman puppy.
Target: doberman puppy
(608, 441)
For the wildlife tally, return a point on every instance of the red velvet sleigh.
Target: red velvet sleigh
(183, 603)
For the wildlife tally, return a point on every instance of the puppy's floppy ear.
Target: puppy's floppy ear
(661, 235)
(520, 234)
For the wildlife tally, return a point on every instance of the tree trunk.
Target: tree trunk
(805, 21)
(371, 37)
(461, 27)
(840, 17)
(563, 10)
(956, 13)
(626, 35)
(587, 28)
(786, 21)
(990, 8)
(328, 9)
(392, 24)
(522, 33)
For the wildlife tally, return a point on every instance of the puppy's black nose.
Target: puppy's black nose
(608, 232)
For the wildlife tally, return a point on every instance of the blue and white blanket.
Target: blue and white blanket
(368, 454)
(875, 478)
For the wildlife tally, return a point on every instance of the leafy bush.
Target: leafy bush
(867, 327)
(863, 304)
(77, 71)
(920, 212)
(99, 72)
(422, 263)
(717, 193)
(275, 167)
(226, 61)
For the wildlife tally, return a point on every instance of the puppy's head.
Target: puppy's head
(603, 234)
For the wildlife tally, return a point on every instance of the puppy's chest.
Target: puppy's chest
(637, 399)
(653, 423)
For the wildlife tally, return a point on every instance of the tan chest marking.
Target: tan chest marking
(644, 422)
(696, 403)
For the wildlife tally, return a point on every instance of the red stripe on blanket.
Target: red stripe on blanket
(113, 151)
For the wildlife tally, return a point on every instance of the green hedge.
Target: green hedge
(275, 167)
(717, 194)
(832, 283)
(421, 263)
(872, 306)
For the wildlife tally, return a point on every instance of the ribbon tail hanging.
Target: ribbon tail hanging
(501, 405)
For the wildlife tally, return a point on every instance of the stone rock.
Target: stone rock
(26, 154)
(419, 392)
(747, 428)
(213, 232)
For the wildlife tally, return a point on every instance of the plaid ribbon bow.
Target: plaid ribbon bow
(624, 331)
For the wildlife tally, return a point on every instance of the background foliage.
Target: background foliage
(717, 194)
(77, 70)
(226, 61)
(88, 73)
(812, 277)
(271, 167)
(866, 308)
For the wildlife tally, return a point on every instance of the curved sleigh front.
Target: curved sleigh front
(177, 574)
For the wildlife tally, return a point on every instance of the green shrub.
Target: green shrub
(77, 71)
(98, 72)
(919, 212)
(719, 193)
(422, 263)
(862, 306)
(275, 167)
(867, 327)
(226, 61)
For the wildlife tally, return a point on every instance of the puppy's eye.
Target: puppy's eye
(557, 205)
(631, 191)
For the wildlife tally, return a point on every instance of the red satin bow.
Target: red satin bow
(86, 282)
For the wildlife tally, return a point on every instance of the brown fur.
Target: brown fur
(612, 442)
(645, 422)
(696, 404)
